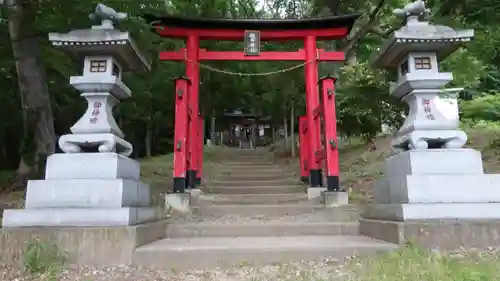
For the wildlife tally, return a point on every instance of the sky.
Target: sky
(260, 3)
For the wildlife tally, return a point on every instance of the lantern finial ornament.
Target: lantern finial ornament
(107, 16)
(412, 12)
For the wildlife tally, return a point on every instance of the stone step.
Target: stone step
(264, 182)
(248, 163)
(253, 176)
(248, 159)
(249, 166)
(302, 212)
(211, 252)
(246, 156)
(245, 161)
(232, 152)
(254, 168)
(249, 156)
(204, 229)
(261, 189)
(255, 210)
(280, 198)
(252, 171)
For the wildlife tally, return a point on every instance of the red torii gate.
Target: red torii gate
(188, 150)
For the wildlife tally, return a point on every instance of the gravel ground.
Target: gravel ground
(300, 271)
(416, 266)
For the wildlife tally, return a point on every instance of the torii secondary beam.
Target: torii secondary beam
(205, 55)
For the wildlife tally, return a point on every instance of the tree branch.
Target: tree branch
(244, 9)
(353, 41)
(334, 7)
(252, 7)
(276, 7)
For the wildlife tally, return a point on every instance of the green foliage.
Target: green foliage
(485, 107)
(469, 124)
(490, 131)
(411, 263)
(41, 258)
(467, 69)
(364, 102)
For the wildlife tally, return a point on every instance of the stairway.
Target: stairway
(255, 212)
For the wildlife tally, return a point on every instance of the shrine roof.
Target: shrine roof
(342, 21)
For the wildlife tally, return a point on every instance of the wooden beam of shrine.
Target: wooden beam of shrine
(265, 35)
(299, 55)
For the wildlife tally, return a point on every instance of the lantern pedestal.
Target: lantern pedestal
(85, 189)
(435, 198)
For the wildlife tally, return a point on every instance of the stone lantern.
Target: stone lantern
(106, 53)
(93, 183)
(415, 51)
(432, 184)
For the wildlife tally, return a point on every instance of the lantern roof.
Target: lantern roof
(418, 35)
(103, 40)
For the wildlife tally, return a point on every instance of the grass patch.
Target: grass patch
(42, 259)
(157, 172)
(412, 264)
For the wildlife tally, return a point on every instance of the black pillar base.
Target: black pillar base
(333, 183)
(191, 176)
(304, 179)
(186, 182)
(179, 185)
(315, 178)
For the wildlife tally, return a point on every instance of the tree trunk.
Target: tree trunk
(212, 129)
(39, 134)
(148, 141)
(202, 133)
(352, 58)
(254, 135)
(285, 128)
(292, 129)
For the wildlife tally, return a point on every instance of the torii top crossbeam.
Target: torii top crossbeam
(323, 28)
